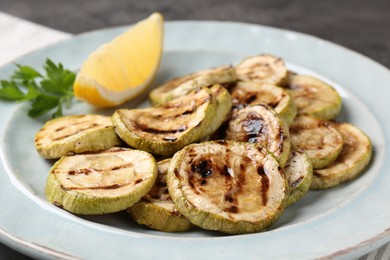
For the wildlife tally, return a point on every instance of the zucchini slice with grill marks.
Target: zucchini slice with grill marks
(102, 182)
(76, 134)
(317, 138)
(223, 109)
(263, 68)
(299, 175)
(262, 126)
(253, 93)
(353, 159)
(167, 128)
(314, 97)
(181, 86)
(156, 209)
(233, 187)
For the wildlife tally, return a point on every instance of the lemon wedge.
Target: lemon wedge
(121, 69)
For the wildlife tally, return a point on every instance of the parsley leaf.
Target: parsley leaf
(25, 73)
(43, 104)
(10, 91)
(45, 92)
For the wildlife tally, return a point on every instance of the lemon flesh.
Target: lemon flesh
(121, 69)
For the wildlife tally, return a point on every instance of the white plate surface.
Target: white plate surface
(346, 221)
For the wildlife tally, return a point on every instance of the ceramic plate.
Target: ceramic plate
(348, 220)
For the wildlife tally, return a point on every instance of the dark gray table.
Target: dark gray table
(360, 25)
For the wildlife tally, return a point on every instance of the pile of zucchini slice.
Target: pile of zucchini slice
(225, 149)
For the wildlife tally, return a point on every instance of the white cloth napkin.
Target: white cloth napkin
(18, 37)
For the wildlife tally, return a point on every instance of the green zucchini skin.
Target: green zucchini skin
(314, 97)
(181, 86)
(262, 68)
(351, 162)
(82, 183)
(262, 126)
(205, 186)
(321, 142)
(156, 209)
(234, 186)
(165, 129)
(299, 174)
(254, 93)
(75, 134)
(159, 218)
(222, 109)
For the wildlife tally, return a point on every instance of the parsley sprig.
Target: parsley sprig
(49, 92)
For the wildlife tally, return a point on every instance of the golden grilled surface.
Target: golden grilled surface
(223, 109)
(175, 82)
(181, 86)
(169, 121)
(299, 175)
(101, 182)
(352, 160)
(70, 127)
(317, 138)
(314, 97)
(263, 68)
(262, 126)
(254, 93)
(296, 168)
(159, 191)
(77, 133)
(156, 209)
(106, 173)
(228, 186)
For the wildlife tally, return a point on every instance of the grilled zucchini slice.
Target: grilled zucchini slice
(260, 125)
(353, 159)
(253, 93)
(167, 128)
(76, 134)
(299, 175)
(263, 68)
(102, 182)
(156, 210)
(223, 109)
(181, 86)
(317, 138)
(233, 187)
(314, 97)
